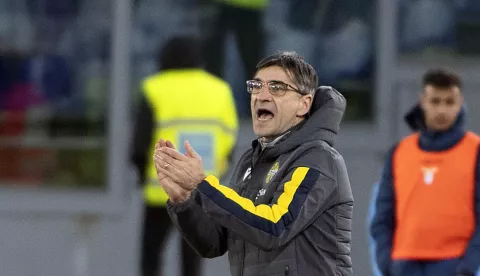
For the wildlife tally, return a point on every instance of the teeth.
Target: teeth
(265, 117)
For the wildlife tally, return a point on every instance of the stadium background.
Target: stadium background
(69, 204)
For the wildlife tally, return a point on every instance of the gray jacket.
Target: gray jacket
(288, 208)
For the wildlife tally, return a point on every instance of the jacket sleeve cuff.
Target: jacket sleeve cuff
(181, 207)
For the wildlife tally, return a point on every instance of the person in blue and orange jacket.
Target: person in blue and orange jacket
(426, 212)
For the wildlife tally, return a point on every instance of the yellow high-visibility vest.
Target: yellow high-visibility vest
(193, 105)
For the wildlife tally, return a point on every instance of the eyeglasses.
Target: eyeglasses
(276, 88)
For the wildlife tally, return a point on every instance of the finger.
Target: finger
(161, 176)
(166, 166)
(164, 172)
(170, 144)
(169, 160)
(161, 171)
(188, 151)
(191, 152)
(174, 154)
(180, 175)
(157, 164)
(160, 162)
(161, 143)
(156, 154)
(173, 191)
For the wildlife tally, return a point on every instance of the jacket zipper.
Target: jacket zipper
(245, 188)
(243, 258)
(243, 193)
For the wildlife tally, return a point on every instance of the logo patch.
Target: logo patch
(429, 174)
(272, 172)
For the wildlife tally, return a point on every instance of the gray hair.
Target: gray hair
(299, 71)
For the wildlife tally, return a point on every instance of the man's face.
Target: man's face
(441, 106)
(274, 115)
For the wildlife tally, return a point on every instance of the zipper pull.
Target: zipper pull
(287, 270)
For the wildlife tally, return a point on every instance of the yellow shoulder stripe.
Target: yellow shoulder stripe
(272, 213)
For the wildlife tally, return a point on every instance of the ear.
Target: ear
(304, 105)
(422, 100)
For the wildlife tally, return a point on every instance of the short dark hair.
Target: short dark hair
(301, 73)
(180, 52)
(442, 78)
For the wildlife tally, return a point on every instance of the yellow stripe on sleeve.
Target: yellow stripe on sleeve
(272, 213)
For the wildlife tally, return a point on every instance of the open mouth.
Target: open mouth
(264, 114)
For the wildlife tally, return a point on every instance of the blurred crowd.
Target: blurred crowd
(58, 52)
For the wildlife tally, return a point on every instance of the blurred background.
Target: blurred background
(70, 72)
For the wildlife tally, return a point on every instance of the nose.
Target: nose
(442, 109)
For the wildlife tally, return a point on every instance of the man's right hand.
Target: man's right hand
(184, 169)
(176, 193)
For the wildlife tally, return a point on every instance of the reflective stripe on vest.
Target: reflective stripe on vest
(434, 199)
(196, 121)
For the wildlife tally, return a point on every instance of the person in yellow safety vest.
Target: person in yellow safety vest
(244, 19)
(182, 102)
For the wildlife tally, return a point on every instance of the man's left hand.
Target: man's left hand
(185, 170)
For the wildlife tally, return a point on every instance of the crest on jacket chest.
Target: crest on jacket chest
(429, 174)
(271, 173)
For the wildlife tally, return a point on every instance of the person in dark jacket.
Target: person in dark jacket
(288, 208)
(425, 217)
